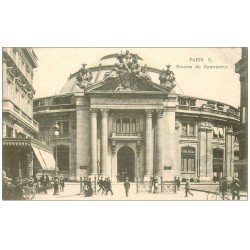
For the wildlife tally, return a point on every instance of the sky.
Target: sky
(56, 64)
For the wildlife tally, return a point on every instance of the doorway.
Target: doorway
(125, 164)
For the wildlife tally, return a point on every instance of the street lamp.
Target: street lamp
(56, 129)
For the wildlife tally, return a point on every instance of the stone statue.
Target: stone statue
(126, 71)
(84, 77)
(167, 77)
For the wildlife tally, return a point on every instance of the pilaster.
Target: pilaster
(29, 164)
(83, 141)
(149, 146)
(104, 143)
(229, 171)
(93, 171)
(205, 151)
(159, 141)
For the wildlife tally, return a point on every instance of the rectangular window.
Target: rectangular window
(133, 127)
(192, 102)
(184, 129)
(63, 128)
(118, 124)
(221, 132)
(183, 101)
(191, 165)
(9, 131)
(191, 130)
(125, 125)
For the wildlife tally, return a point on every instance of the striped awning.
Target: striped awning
(42, 152)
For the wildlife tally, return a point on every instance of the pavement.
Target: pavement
(72, 190)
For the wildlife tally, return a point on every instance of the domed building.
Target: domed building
(123, 118)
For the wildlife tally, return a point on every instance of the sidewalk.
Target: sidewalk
(72, 190)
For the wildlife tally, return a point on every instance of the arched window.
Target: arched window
(187, 159)
(62, 157)
(126, 125)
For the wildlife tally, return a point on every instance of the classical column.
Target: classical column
(159, 141)
(205, 151)
(93, 142)
(228, 154)
(29, 164)
(149, 145)
(104, 142)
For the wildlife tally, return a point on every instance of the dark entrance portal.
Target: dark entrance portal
(126, 163)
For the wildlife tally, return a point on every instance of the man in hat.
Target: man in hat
(235, 188)
(223, 187)
(187, 188)
(101, 185)
(108, 186)
(126, 186)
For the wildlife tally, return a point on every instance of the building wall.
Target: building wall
(203, 139)
(18, 93)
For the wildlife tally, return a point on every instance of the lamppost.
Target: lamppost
(56, 129)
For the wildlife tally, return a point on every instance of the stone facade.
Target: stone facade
(20, 130)
(241, 67)
(116, 121)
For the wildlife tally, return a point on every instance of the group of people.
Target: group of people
(87, 187)
(105, 186)
(177, 183)
(234, 187)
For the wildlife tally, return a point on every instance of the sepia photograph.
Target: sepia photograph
(124, 124)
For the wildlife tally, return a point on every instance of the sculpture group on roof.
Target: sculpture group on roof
(84, 76)
(128, 66)
(126, 73)
(167, 77)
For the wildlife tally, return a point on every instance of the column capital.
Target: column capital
(149, 112)
(229, 130)
(104, 112)
(93, 112)
(159, 113)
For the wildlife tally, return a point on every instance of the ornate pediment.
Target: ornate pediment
(127, 76)
(126, 83)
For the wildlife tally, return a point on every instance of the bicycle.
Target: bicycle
(216, 194)
(28, 189)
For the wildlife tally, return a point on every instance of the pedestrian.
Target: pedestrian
(88, 191)
(35, 179)
(43, 184)
(47, 181)
(178, 184)
(84, 181)
(126, 186)
(101, 185)
(108, 186)
(187, 188)
(235, 188)
(62, 183)
(56, 185)
(223, 187)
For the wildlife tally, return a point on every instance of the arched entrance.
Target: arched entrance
(126, 163)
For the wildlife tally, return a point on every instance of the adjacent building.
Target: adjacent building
(241, 67)
(23, 154)
(122, 118)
